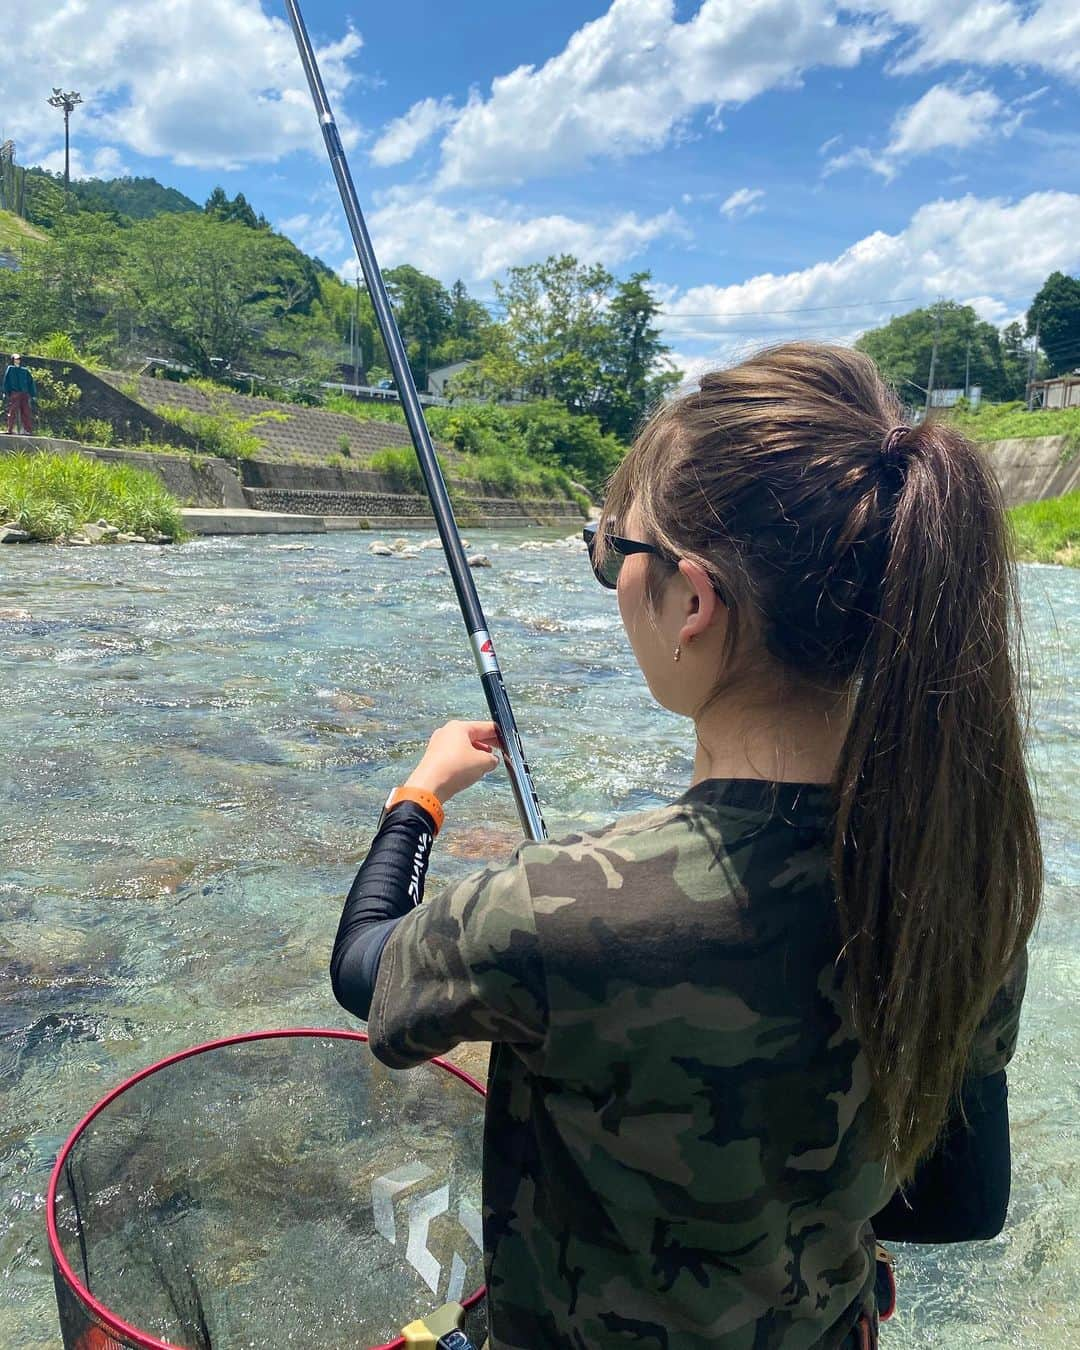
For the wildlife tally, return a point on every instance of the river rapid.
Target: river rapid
(197, 742)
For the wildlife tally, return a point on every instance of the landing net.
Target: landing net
(279, 1189)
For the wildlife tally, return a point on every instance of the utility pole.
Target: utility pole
(356, 325)
(967, 373)
(69, 102)
(933, 358)
(1033, 365)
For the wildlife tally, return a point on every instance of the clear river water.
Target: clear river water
(196, 745)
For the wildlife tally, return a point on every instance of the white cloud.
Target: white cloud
(627, 82)
(476, 244)
(947, 116)
(1044, 34)
(944, 116)
(106, 162)
(987, 252)
(743, 202)
(402, 137)
(207, 83)
(322, 235)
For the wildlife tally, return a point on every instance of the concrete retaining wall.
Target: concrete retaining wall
(1032, 470)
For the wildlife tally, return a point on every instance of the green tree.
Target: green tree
(635, 376)
(1056, 310)
(132, 198)
(208, 290)
(903, 347)
(44, 200)
(1016, 359)
(422, 308)
(555, 328)
(238, 211)
(469, 331)
(571, 334)
(69, 282)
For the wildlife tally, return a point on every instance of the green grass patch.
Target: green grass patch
(223, 432)
(1049, 531)
(50, 496)
(1006, 421)
(365, 412)
(401, 467)
(14, 231)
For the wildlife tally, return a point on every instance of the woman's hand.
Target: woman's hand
(457, 756)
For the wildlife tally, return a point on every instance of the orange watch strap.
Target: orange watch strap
(427, 800)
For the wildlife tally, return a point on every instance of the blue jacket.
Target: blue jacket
(18, 380)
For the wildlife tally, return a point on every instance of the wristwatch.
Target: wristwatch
(427, 800)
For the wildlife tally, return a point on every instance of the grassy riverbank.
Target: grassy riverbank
(52, 496)
(1049, 531)
(1004, 421)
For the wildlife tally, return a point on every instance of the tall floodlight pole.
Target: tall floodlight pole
(532, 822)
(69, 102)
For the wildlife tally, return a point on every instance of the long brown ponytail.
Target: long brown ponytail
(869, 557)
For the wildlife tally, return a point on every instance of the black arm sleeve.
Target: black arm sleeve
(389, 884)
(960, 1193)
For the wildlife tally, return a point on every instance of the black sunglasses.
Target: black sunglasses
(617, 551)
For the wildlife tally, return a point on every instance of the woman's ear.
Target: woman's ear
(702, 603)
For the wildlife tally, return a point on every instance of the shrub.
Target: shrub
(51, 495)
(542, 432)
(345, 445)
(93, 431)
(401, 467)
(222, 431)
(56, 399)
(57, 347)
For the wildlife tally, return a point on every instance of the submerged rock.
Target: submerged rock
(381, 550)
(15, 615)
(478, 560)
(482, 842)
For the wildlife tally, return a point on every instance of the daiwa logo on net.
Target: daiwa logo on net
(419, 1212)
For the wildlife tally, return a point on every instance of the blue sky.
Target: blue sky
(782, 167)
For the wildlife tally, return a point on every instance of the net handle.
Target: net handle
(109, 1319)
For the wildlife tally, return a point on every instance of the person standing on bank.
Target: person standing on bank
(21, 393)
(736, 1036)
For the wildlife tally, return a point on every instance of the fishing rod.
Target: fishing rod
(532, 822)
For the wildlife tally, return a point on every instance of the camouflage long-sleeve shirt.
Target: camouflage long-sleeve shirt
(676, 1149)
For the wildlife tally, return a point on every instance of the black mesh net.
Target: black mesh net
(271, 1192)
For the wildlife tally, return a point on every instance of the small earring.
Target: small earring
(678, 652)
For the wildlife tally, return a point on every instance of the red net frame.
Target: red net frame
(104, 1329)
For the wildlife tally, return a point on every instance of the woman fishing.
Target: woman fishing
(739, 1037)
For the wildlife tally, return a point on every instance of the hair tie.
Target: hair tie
(892, 451)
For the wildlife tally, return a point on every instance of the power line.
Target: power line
(801, 309)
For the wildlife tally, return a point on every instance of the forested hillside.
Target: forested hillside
(129, 269)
